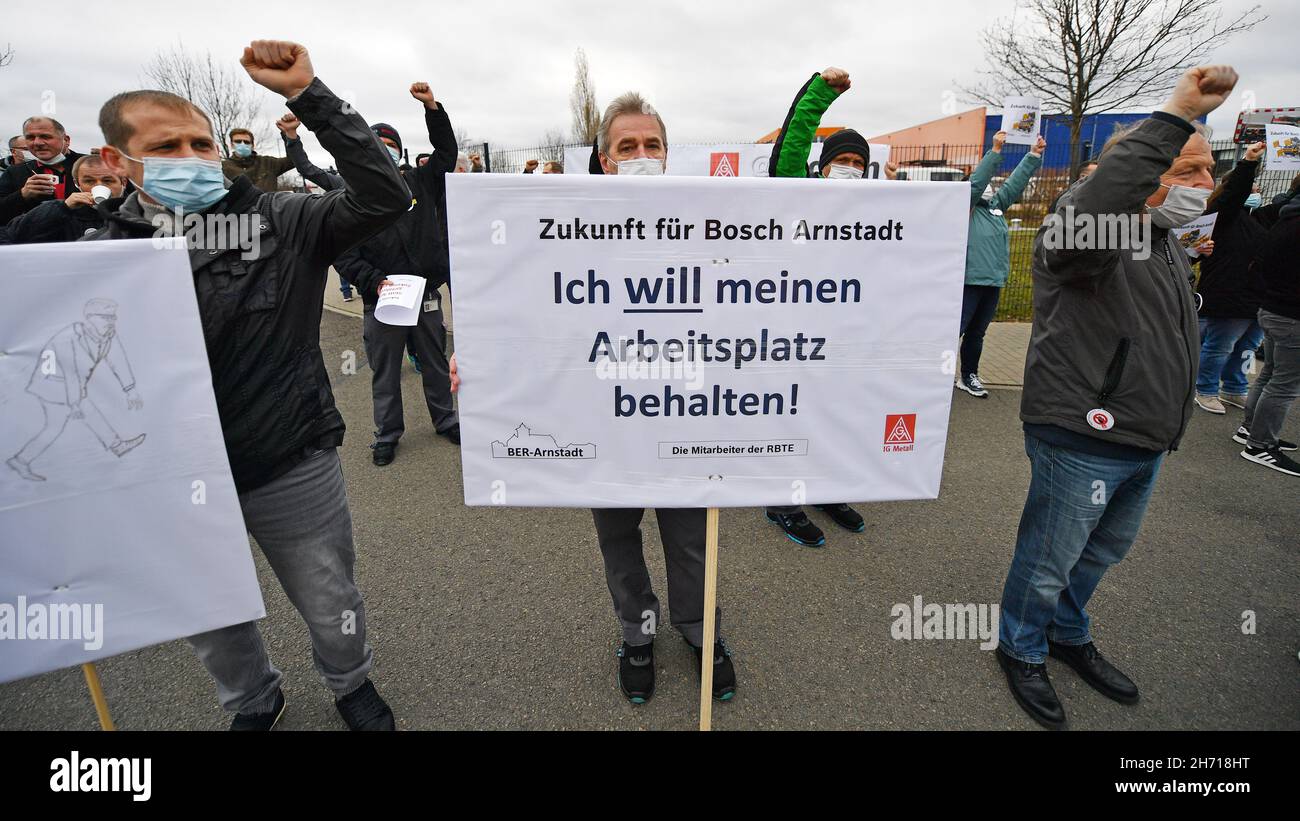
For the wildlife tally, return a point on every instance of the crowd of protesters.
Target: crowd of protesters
(1122, 349)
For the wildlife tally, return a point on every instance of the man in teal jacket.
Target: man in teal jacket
(845, 154)
(988, 253)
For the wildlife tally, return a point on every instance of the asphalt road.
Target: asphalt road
(500, 618)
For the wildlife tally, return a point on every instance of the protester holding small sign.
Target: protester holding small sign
(1109, 378)
(988, 253)
(415, 245)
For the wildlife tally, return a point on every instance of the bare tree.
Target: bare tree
(582, 101)
(552, 146)
(7, 56)
(221, 88)
(1093, 56)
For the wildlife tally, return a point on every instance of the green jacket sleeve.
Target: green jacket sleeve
(983, 175)
(790, 153)
(1009, 194)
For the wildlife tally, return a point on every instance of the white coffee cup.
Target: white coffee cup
(100, 193)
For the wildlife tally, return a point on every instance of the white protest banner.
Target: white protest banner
(1020, 119)
(121, 526)
(660, 341)
(725, 160)
(1283, 150)
(1195, 235)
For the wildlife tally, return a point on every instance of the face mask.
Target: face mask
(186, 182)
(1182, 205)
(1254, 201)
(55, 160)
(837, 171)
(641, 167)
(394, 153)
(22, 156)
(243, 150)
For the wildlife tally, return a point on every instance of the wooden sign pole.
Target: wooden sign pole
(97, 695)
(710, 616)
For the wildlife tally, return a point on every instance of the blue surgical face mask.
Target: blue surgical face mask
(243, 150)
(188, 183)
(1254, 200)
(394, 153)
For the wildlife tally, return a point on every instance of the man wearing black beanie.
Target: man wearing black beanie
(845, 155)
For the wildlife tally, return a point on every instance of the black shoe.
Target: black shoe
(972, 385)
(260, 722)
(636, 671)
(798, 529)
(452, 433)
(844, 516)
(1094, 669)
(365, 709)
(1272, 458)
(384, 453)
(1033, 691)
(1242, 437)
(724, 673)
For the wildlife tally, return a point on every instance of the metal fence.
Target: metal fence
(952, 162)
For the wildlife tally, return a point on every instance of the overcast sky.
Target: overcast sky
(716, 71)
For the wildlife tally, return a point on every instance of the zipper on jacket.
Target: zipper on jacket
(1114, 371)
(1182, 325)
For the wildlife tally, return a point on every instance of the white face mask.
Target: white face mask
(837, 171)
(55, 160)
(1182, 205)
(640, 167)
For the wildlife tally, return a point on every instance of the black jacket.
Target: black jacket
(261, 316)
(52, 221)
(1228, 288)
(417, 242)
(1115, 329)
(11, 186)
(1278, 263)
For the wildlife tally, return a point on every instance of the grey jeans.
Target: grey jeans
(302, 523)
(385, 347)
(635, 604)
(1278, 383)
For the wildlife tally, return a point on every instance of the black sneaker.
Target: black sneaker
(383, 453)
(260, 722)
(972, 385)
(452, 433)
(724, 673)
(365, 709)
(844, 516)
(1272, 458)
(1033, 690)
(798, 529)
(636, 671)
(1242, 437)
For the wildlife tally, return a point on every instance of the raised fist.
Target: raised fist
(288, 125)
(424, 94)
(1200, 90)
(279, 65)
(1254, 151)
(1039, 147)
(836, 78)
(999, 139)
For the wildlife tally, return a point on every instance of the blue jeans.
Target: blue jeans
(979, 304)
(1082, 515)
(1224, 343)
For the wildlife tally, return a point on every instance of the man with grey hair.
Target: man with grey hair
(47, 175)
(632, 140)
(1109, 378)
